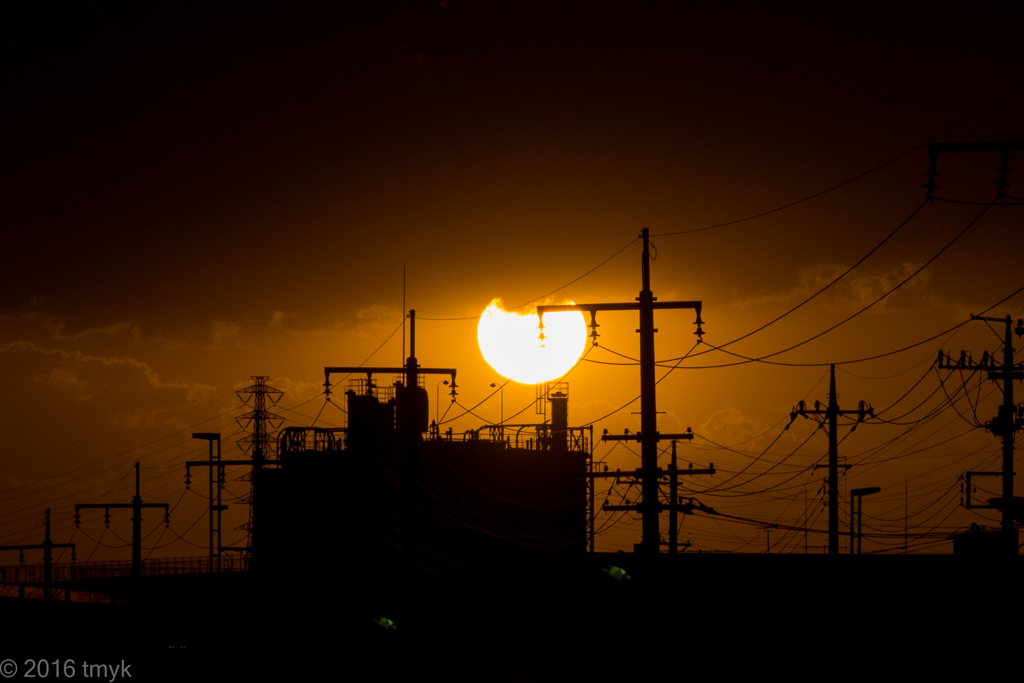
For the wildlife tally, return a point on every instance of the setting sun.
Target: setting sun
(511, 343)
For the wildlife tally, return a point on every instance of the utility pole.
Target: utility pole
(645, 304)
(1009, 419)
(675, 504)
(217, 467)
(136, 507)
(673, 495)
(1004, 147)
(216, 472)
(47, 547)
(832, 413)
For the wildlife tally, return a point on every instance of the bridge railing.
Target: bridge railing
(74, 571)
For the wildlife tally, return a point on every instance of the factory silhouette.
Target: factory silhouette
(395, 547)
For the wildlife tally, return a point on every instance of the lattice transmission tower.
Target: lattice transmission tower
(259, 444)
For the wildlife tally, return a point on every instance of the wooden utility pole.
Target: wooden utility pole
(136, 507)
(832, 413)
(1007, 421)
(645, 304)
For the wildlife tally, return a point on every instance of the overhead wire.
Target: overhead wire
(544, 296)
(853, 179)
(870, 305)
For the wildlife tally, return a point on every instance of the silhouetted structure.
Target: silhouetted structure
(646, 304)
(136, 506)
(832, 413)
(1005, 425)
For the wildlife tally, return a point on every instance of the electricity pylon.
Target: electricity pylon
(258, 444)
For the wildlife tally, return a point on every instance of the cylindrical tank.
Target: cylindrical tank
(559, 421)
(420, 411)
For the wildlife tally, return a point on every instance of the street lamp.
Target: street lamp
(493, 385)
(857, 495)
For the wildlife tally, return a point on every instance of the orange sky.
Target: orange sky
(193, 200)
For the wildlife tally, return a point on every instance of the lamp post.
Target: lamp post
(857, 496)
(493, 386)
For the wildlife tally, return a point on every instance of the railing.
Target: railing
(74, 571)
(302, 439)
(512, 436)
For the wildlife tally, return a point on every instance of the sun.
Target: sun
(511, 343)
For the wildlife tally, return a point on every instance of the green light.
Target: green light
(384, 622)
(617, 572)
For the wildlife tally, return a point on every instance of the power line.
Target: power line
(544, 296)
(851, 180)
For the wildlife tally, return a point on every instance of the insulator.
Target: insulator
(77, 518)
(932, 173)
(1003, 169)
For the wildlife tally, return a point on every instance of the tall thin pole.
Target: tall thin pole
(833, 466)
(220, 506)
(47, 561)
(213, 474)
(651, 538)
(673, 494)
(403, 312)
(137, 528)
(1008, 429)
